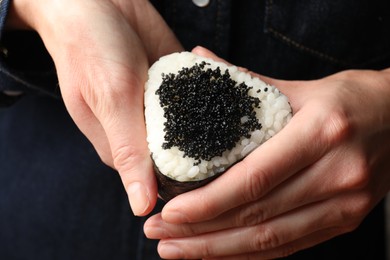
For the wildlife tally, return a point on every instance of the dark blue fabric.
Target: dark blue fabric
(4, 6)
(354, 33)
(299, 39)
(58, 201)
(26, 66)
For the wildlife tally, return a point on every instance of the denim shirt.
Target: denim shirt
(294, 39)
(298, 39)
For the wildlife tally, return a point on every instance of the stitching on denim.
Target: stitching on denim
(304, 48)
(288, 40)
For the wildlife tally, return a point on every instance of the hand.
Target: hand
(102, 50)
(317, 178)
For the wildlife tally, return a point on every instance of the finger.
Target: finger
(260, 172)
(90, 126)
(156, 228)
(282, 85)
(313, 184)
(270, 235)
(125, 128)
(201, 51)
(120, 111)
(113, 122)
(288, 249)
(111, 85)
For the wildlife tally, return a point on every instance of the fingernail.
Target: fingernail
(138, 197)
(169, 250)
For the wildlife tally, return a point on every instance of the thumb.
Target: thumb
(290, 88)
(199, 50)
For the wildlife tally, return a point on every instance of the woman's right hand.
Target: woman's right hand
(102, 51)
(317, 178)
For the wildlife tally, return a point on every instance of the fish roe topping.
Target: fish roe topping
(204, 109)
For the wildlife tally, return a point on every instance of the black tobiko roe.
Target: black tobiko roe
(204, 108)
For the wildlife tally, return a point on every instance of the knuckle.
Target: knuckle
(352, 211)
(357, 176)
(256, 184)
(249, 216)
(188, 230)
(361, 205)
(337, 127)
(264, 239)
(206, 249)
(125, 157)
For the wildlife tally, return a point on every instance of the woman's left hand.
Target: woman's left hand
(316, 179)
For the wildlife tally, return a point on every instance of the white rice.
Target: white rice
(273, 114)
